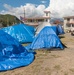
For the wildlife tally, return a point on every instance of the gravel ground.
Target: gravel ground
(52, 62)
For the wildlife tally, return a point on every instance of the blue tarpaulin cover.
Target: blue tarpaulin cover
(47, 38)
(54, 29)
(21, 32)
(60, 30)
(13, 54)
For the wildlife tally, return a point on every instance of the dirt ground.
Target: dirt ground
(52, 62)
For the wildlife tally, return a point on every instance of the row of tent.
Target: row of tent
(26, 34)
(13, 54)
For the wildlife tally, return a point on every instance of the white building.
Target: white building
(34, 21)
(69, 23)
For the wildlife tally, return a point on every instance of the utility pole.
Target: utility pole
(24, 15)
(24, 12)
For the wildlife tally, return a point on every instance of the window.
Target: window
(68, 25)
(46, 14)
(73, 19)
(46, 20)
(68, 19)
(72, 25)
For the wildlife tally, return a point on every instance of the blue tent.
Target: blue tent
(60, 30)
(13, 54)
(21, 32)
(47, 38)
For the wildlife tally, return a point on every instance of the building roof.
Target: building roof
(68, 17)
(37, 18)
(70, 23)
(47, 11)
(32, 24)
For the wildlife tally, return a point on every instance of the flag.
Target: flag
(21, 18)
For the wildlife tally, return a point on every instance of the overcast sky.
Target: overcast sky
(34, 8)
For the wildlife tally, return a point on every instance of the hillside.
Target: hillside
(8, 20)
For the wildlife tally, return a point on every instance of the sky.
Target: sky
(17, 7)
(18, 3)
(35, 8)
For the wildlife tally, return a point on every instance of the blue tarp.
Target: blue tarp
(21, 32)
(54, 29)
(47, 38)
(13, 54)
(60, 30)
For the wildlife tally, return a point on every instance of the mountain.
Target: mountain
(8, 20)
